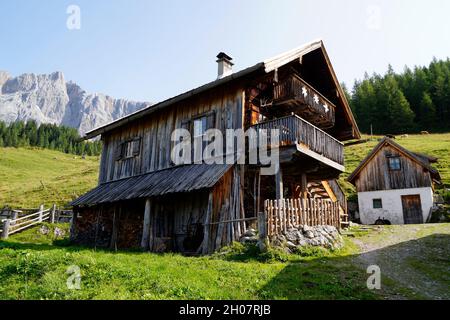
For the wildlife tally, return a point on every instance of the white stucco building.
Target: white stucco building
(395, 184)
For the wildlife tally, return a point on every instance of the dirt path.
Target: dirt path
(415, 257)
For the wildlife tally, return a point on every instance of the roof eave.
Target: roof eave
(138, 114)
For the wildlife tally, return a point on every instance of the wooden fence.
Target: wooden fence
(20, 219)
(286, 213)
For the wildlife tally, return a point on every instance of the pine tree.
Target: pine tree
(428, 113)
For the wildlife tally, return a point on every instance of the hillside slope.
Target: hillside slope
(31, 176)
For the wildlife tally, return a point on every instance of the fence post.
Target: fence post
(14, 216)
(52, 214)
(41, 208)
(6, 224)
(263, 243)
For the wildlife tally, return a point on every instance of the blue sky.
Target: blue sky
(151, 50)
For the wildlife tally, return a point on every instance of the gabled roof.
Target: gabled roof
(178, 179)
(419, 158)
(266, 66)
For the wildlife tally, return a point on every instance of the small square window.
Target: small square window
(129, 149)
(377, 204)
(394, 163)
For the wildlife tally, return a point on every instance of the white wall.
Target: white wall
(392, 204)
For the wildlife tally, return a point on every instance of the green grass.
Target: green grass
(33, 266)
(437, 145)
(31, 176)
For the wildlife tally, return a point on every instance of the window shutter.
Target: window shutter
(136, 146)
(119, 151)
(185, 124)
(211, 120)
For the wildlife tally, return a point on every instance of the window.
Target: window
(394, 163)
(200, 126)
(129, 149)
(377, 204)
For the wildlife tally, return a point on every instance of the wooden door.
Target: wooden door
(412, 209)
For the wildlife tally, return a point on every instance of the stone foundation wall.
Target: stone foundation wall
(301, 236)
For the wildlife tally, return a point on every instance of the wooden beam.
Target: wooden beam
(279, 183)
(329, 191)
(207, 226)
(304, 186)
(320, 158)
(262, 231)
(115, 230)
(146, 228)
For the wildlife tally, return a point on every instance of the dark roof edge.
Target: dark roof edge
(375, 150)
(140, 113)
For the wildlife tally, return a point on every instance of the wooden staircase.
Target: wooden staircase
(330, 190)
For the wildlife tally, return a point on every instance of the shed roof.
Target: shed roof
(420, 158)
(185, 178)
(265, 66)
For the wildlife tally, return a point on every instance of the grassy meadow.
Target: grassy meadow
(31, 176)
(33, 266)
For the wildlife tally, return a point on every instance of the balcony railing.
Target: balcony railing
(309, 103)
(295, 130)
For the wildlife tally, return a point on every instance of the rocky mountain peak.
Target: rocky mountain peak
(48, 98)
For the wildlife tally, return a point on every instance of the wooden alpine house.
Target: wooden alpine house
(144, 199)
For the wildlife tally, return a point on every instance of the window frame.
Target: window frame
(129, 149)
(396, 168)
(376, 200)
(203, 119)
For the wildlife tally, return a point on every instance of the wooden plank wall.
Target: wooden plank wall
(227, 205)
(156, 130)
(120, 224)
(377, 176)
(175, 218)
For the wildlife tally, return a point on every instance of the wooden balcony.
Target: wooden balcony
(302, 99)
(305, 139)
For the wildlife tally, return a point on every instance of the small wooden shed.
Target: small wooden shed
(395, 184)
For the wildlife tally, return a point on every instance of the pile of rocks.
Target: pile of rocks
(300, 236)
(250, 236)
(57, 232)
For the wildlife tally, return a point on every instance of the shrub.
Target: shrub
(250, 251)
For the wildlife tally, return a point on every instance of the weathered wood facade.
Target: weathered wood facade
(144, 199)
(223, 108)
